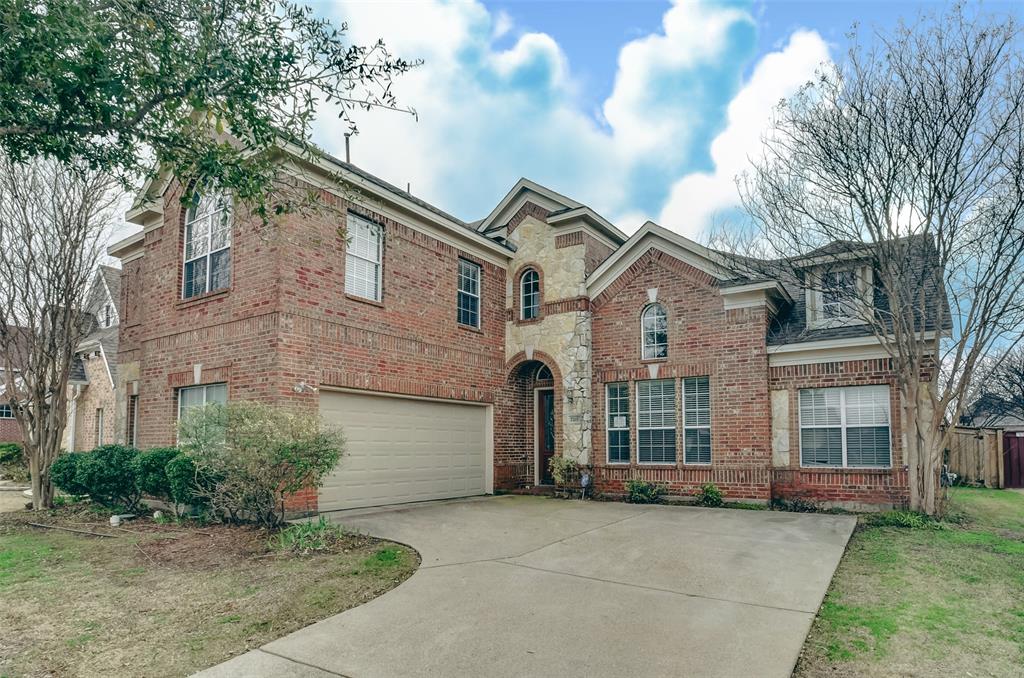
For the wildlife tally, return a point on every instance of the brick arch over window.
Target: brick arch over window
(517, 293)
(514, 422)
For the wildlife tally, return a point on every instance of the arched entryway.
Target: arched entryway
(528, 422)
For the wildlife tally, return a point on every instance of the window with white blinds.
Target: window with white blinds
(697, 420)
(656, 421)
(845, 427)
(363, 258)
(618, 423)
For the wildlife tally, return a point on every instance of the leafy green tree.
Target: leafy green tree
(207, 88)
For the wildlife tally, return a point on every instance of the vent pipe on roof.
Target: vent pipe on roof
(348, 151)
(408, 187)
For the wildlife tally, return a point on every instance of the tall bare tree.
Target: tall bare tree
(999, 389)
(909, 158)
(53, 219)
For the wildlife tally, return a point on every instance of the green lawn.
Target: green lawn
(945, 600)
(167, 601)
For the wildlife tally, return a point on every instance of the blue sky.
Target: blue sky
(642, 110)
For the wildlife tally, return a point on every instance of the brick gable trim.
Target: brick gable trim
(654, 257)
(529, 209)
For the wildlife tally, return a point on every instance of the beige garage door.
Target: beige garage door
(401, 450)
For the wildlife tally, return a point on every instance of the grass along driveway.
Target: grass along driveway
(166, 601)
(942, 600)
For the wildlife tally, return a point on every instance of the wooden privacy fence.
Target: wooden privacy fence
(976, 455)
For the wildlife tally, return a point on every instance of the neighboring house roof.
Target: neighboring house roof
(112, 279)
(104, 339)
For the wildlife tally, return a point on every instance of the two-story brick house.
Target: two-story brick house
(459, 357)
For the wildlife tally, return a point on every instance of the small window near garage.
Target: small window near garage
(6, 412)
(656, 421)
(200, 396)
(363, 257)
(618, 423)
(99, 426)
(468, 301)
(697, 420)
(133, 420)
(529, 285)
(845, 427)
(654, 332)
(207, 254)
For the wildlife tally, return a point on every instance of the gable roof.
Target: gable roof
(651, 235)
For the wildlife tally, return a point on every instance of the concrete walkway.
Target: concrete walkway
(530, 586)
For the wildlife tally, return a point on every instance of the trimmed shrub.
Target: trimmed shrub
(107, 474)
(709, 495)
(249, 456)
(64, 473)
(150, 468)
(642, 492)
(564, 471)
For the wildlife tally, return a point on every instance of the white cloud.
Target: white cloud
(696, 198)
(489, 115)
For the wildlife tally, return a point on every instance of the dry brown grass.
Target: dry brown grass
(166, 601)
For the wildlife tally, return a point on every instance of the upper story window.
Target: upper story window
(469, 294)
(5, 411)
(207, 245)
(654, 332)
(363, 258)
(529, 290)
(838, 293)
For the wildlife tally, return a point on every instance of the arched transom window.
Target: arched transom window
(529, 286)
(654, 332)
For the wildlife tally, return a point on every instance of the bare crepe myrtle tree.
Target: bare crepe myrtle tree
(892, 187)
(53, 221)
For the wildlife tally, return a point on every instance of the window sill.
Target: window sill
(648, 361)
(529, 321)
(831, 323)
(364, 300)
(469, 328)
(877, 470)
(201, 298)
(658, 464)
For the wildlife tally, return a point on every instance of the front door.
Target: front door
(545, 433)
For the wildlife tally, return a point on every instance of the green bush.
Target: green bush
(64, 474)
(106, 474)
(564, 471)
(181, 479)
(709, 495)
(249, 456)
(642, 492)
(150, 469)
(10, 453)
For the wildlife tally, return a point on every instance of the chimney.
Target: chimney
(348, 152)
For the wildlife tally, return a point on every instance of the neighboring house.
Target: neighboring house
(10, 432)
(95, 415)
(459, 357)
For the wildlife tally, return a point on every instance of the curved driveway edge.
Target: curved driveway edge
(525, 586)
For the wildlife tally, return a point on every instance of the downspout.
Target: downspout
(76, 391)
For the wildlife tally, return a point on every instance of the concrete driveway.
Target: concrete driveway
(530, 586)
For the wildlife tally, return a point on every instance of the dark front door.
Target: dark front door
(545, 433)
(1013, 459)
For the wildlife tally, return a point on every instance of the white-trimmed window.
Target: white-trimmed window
(618, 422)
(200, 396)
(656, 421)
(6, 412)
(839, 294)
(697, 420)
(529, 294)
(654, 332)
(845, 427)
(99, 426)
(469, 294)
(363, 258)
(207, 245)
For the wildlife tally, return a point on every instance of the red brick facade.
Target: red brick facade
(286, 321)
(10, 432)
(704, 339)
